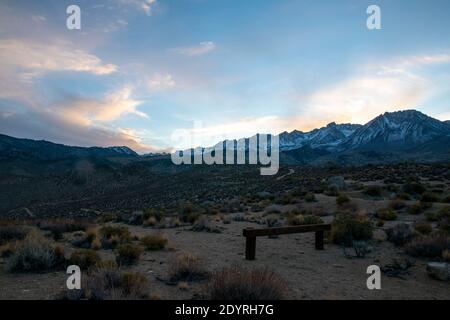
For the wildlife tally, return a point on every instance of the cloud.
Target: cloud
(143, 5)
(36, 58)
(22, 61)
(160, 82)
(91, 111)
(193, 51)
(49, 126)
(372, 90)
(212, 133)
(39, 19)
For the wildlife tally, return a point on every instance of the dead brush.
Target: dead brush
(58, 227)
(13, 233)
(107, 282)
(237, 283)
(187, 267)
(35, 254)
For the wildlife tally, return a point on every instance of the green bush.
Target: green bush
(310, 197)
(429, 197)
(443, 213)
(414, 188)
(347, 227)
(373, 191)
(342, 199)
(154, 242)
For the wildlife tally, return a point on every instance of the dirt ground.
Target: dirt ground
(310, 274)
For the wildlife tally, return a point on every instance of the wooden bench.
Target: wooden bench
(250, 235)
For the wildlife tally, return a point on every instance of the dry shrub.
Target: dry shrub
(154, 242)
(423, 227)
(397, 204)
(373, 191)
(400, 234)
(62, 225)
(107, 282)
(84, 258)
(429, 197)
(35, 254)
(446, 255)
(299, 220)
(128, 254)
(348, 227)
(416, 208)
(112, 236)
(431, 246)
(237, 283)
(386, 214)
(13, 233)
(342, 199)
(187, 267)
(310, 197)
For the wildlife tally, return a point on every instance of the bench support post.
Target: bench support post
(250, 248)
(319, 240)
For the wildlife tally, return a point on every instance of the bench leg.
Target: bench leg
(250, 248)
(319, 240)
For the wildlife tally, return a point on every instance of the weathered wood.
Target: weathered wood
(286, 230)
(250, 235)
(319, 240)
(250, 248)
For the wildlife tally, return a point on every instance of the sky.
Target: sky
(143, 73)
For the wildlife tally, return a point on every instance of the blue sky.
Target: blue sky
(139, 72)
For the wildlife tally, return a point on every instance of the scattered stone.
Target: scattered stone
(264, 195)
(439, 270)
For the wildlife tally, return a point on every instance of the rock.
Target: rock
(379, 235)
(136, 218)
(439, 270)
(264, 195)
(338, 182)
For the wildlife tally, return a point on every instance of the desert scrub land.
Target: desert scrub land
(396, 217)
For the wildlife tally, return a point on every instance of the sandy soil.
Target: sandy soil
(310, 274)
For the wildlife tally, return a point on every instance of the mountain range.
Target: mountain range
(393, 136)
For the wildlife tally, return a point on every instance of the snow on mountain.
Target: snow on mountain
(402, 128)
(327, 137)
(123, 150)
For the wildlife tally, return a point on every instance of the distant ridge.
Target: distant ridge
(393, 136)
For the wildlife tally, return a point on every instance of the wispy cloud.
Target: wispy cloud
(143, 5)
(37, 58)
(160, 82)
(199, 50)
(91, 111)
(210, 133)
(39, 19)
(370, 91)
